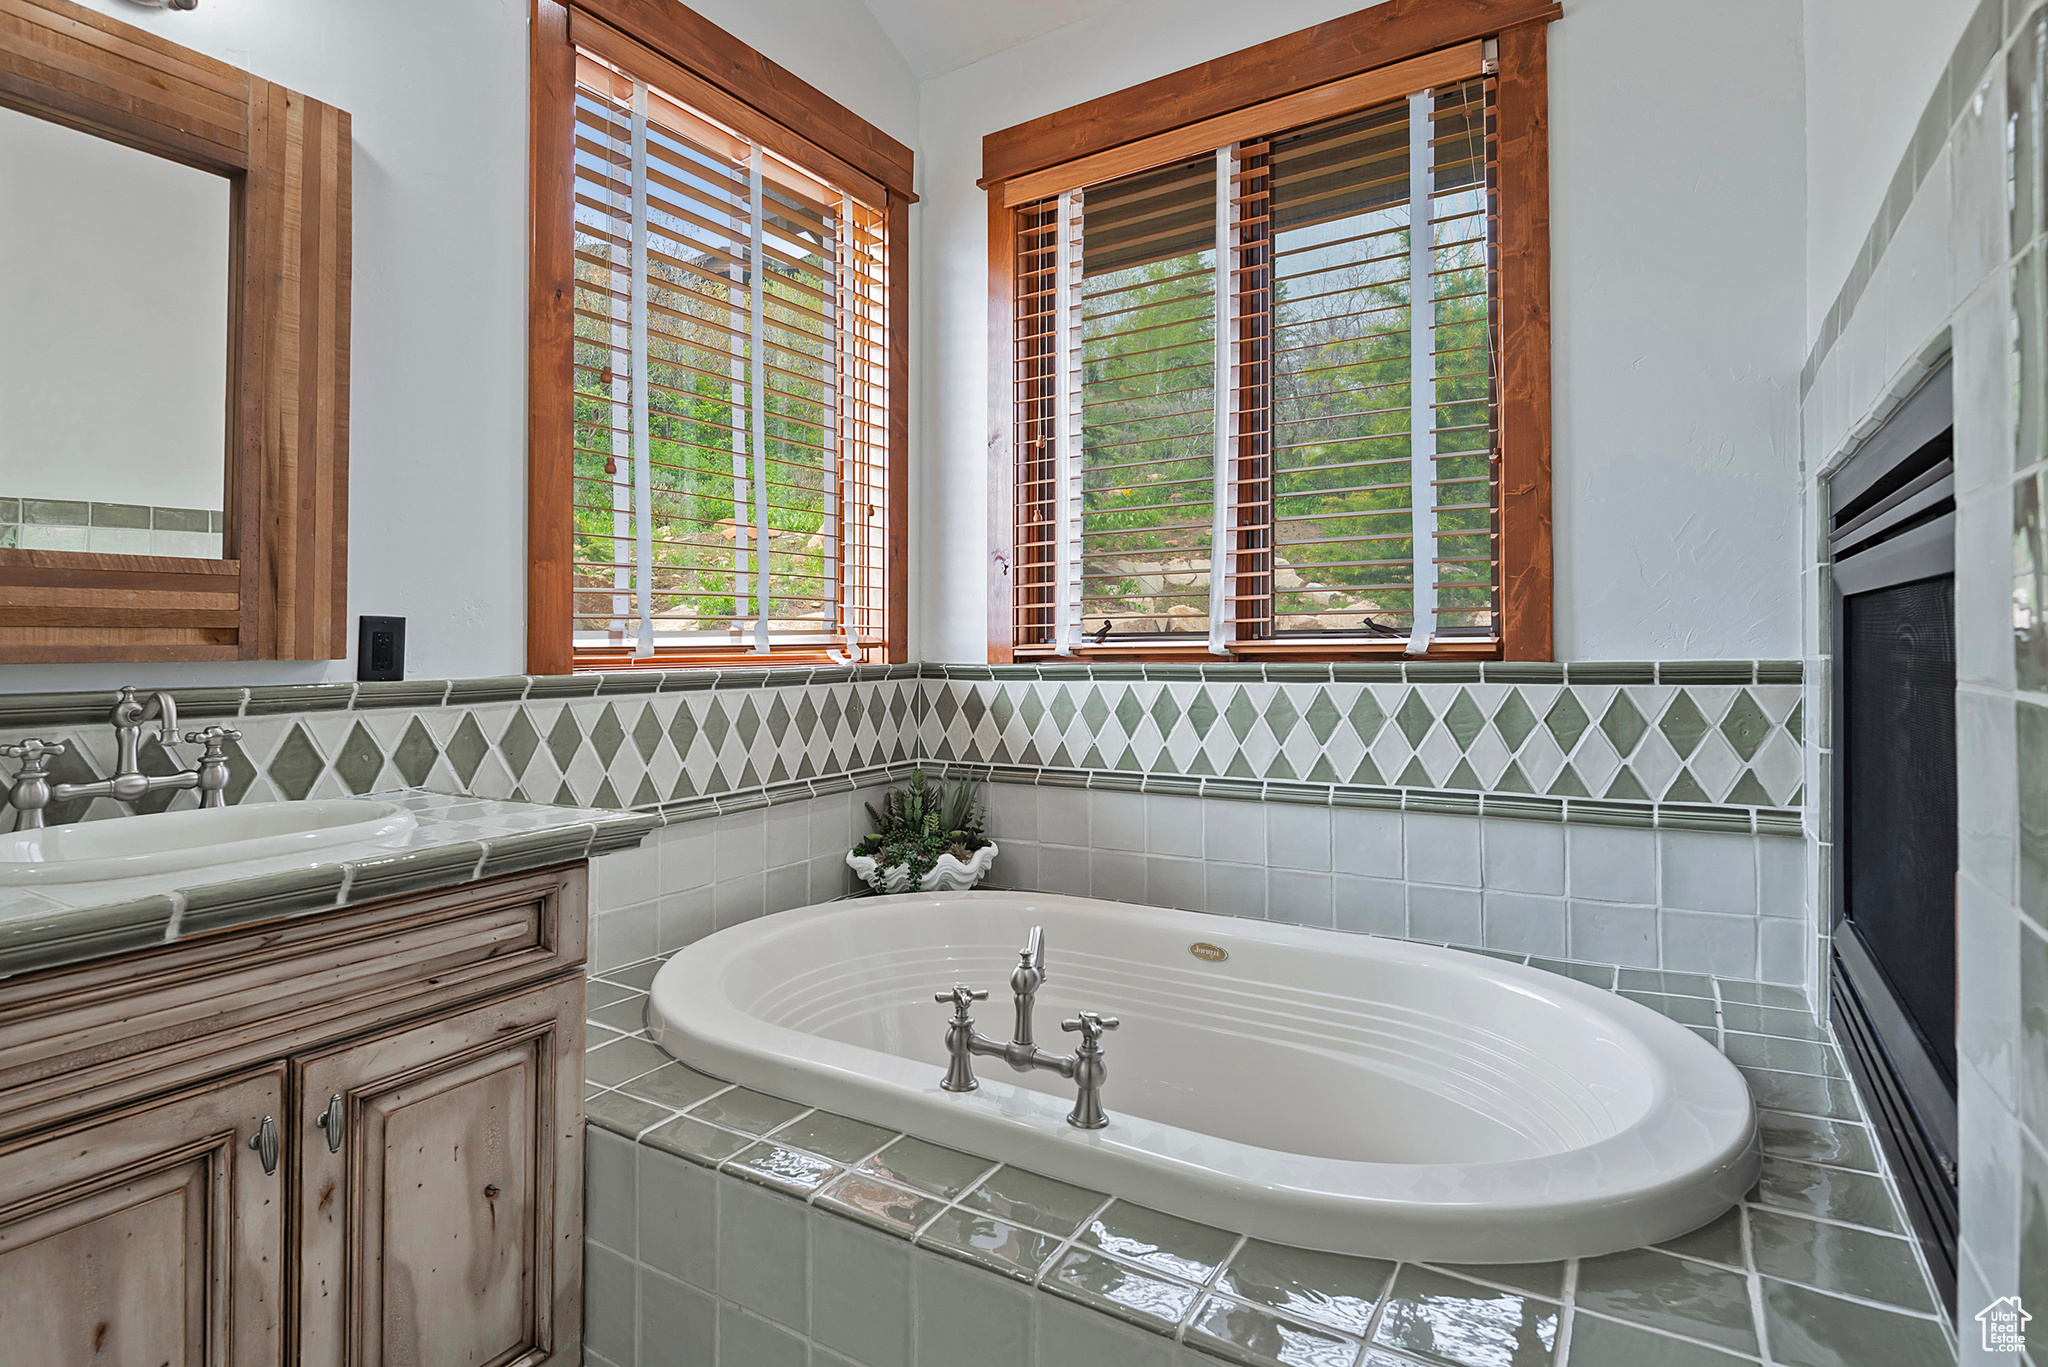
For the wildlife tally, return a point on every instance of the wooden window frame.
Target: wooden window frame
(1300, 68)
(798, 121)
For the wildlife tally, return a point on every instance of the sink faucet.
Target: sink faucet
(32, 790)
(1086, 1065)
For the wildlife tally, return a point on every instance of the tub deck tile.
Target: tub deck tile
(1255, 1337)
(1335, 1290)
(1821, 1234)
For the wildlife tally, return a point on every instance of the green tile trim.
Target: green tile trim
(503, 688)
(63, 935)
(278, 699)
(1450, 804)
(1674, 817)
(1522, 808)
(221, 905)
(412, 872)
(1780, 672)
(623, 832)
(535, 849)
(211, 702)
(1609, 672)
(122, 515)
(630, 681)
(384, 693)
(1774, 821)
(563, 686)
(28, 711)
(1705, 672)
(1514, 671)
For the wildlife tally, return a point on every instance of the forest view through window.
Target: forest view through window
(731, 390)
(1250, 385)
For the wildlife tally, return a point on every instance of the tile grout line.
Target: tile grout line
(1753, 1281)
(1567, 1314)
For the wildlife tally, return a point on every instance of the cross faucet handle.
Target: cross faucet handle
(32, 752)
(1091, 1025)
(211, 738)
(962, 997)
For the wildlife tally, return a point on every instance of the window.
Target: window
(1256, 382)
(729, 407)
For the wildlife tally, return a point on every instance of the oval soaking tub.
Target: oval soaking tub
(1341, 1092)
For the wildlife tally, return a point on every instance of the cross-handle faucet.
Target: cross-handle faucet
(1086, 1064)
(1091, 1069)
(32, 791)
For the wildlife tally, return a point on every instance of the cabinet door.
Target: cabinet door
(440, 1211)
(149, 1238)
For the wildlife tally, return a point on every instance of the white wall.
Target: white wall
(1870, 66)
(1677, 197)
(437, 514)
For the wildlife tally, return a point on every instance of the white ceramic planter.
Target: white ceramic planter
(948, 875)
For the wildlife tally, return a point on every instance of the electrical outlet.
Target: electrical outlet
(380, 648)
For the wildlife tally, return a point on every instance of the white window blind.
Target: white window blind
(731, 389)
(1256, 390)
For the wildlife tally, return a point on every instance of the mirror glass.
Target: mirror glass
(113, 346)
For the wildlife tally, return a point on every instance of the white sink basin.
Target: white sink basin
(136, 846)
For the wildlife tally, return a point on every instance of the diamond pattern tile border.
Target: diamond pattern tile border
(1675, 744)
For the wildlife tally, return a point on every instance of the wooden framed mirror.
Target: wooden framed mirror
(162, 205)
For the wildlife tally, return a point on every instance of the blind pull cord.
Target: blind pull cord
(1222, 553)
(643, 472)
(1421, 373)
(1066, 435)
(758, 211)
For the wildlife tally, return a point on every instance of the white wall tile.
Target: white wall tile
(1446, 915)
(1781, 951)
(1062, 816)
(1117, 875)
(1987, 803)
(787, 887)
(1982, 228)
(610, 1299)
(1298, 897)
(739, 844)
(1524, 923)
(1920, 273)
(684, 918)
(1613, 863)
(1700, 942)
(624, 877)
(1176, 883)
(1988, 986)
(1012, 812)
(1237, 890)
(624, 935)
(1116, 821)
(1297, 836)
(1063, 868)
(1988, 1139)
(1366, 842)
(1706, 871)
(786, 830)
(1524, 856)
(1233, 832)
(1984, 587)
(1441, 849)
(1613, 933)
(684, 855)
(738, 899)
(1781, 876)
(1173, 825)
(1375, 906)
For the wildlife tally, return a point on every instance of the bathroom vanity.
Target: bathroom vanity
(350, 1136)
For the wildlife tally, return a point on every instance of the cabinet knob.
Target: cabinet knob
(264, 1142)
(330, 1120)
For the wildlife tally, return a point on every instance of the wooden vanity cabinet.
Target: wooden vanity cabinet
(419, 1065)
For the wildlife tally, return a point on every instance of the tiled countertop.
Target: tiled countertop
(1813, 1269)
(456, 840)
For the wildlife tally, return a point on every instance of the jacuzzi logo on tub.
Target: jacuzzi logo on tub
(1208, 953)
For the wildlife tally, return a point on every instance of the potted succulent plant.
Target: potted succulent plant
(925, 837)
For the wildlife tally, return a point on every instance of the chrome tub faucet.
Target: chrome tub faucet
(32, 790)
(1087, 1065)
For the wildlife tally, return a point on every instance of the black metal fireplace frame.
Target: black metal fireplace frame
(1892, 522)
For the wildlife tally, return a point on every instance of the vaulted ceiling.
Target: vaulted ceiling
(937, 36)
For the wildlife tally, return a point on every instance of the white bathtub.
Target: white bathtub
(1333, 1091)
